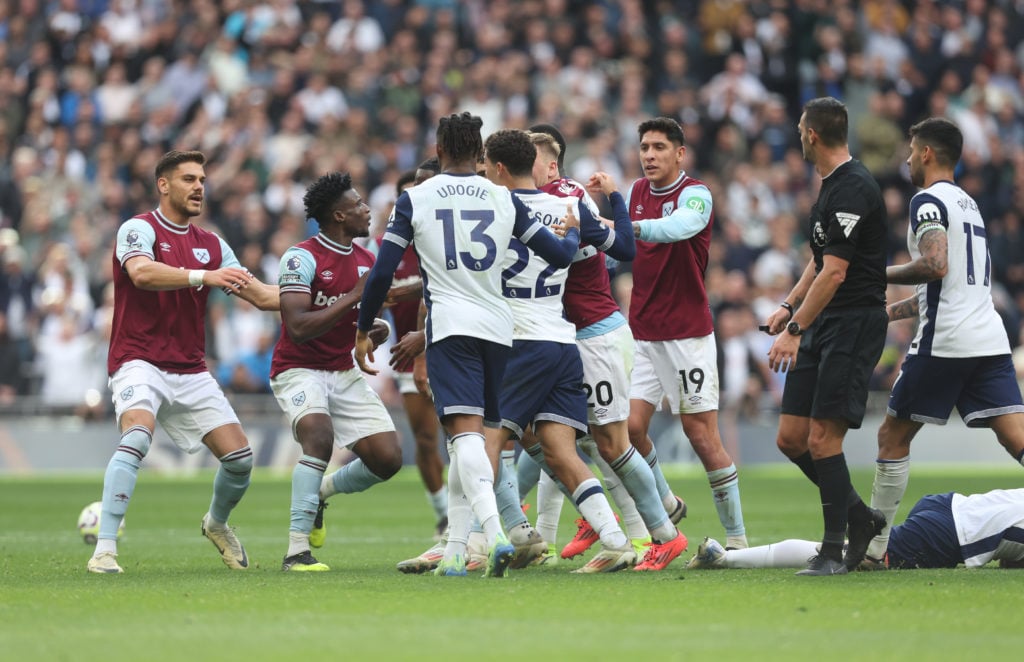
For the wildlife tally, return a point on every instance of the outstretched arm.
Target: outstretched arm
(687, 220)
(933, 264)
(376, 290)
(558, 252)
(619, 242)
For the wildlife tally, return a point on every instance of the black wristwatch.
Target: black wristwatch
(794, 329)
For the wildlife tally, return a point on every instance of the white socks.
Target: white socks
(891, 478)
(785, 554)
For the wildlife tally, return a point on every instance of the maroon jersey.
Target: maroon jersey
(325, 270)
(669, 300)
(165, 328)
(406, 313)
(588, 296)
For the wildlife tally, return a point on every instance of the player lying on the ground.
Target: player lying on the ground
(941, 531)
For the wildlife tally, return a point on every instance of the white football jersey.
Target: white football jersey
(462, 225)
(982, 522)
(957, 318)
(533, 287)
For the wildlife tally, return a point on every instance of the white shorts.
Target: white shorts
(406, 384)
(355, 409)
(188, 407)
(607, 365)
(685, 371)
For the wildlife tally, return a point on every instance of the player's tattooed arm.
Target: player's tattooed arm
(932, 265)
(901, 310)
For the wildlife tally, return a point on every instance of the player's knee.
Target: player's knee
(385, 459)
(316, 440)
(238, 462)
(790, 446)
(136, 441)
(389, 463)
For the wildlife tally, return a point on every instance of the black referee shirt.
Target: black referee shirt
(848, 221)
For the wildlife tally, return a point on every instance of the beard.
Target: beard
(917, 176)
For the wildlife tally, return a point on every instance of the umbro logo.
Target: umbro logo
(165, 247)
(122, 497)
(847, 221)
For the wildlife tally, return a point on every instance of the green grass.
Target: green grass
(176, 601)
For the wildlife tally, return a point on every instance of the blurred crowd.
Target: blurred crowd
(276, 92)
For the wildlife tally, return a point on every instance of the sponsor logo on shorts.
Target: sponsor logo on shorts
(601, 411)
(695, 399)
(299, 398)
(201, 254)
(128, 393)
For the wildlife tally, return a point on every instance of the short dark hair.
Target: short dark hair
(406, 178)
(323, 194)
(431, 165)
(665, 125)
(943, 136)
(458, 135)
(552, 131)
(171, 160)
(512, 148)
(827, 116)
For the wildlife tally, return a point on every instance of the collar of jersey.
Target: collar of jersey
(164, 221)
(678, 180)
(527, 191)
(333, 245)
(837, 168)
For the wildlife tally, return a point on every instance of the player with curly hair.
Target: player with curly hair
(326, 399)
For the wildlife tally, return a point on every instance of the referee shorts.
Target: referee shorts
(837, 355)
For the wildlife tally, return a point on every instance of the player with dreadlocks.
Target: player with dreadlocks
(460, 225)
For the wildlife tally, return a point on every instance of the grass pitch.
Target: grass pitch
(176, 600)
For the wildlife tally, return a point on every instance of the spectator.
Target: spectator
(283, 91)
(355, 31)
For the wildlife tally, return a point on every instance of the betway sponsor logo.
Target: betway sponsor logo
(322, 299)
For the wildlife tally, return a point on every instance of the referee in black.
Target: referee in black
(831, 330)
